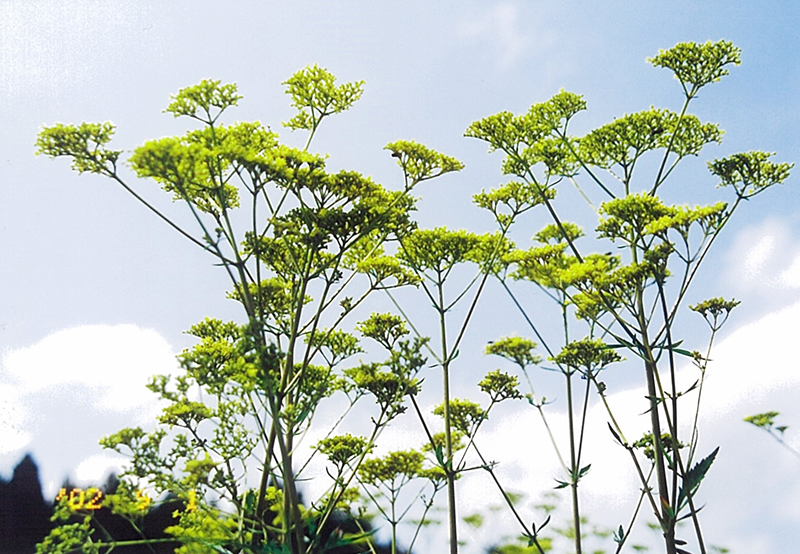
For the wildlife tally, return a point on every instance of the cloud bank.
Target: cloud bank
(61, 394)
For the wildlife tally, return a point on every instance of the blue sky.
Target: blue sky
(96, 292)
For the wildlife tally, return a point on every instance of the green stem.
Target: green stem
(635, 514)
(449, 470)
(428, 506)
(661, 177)
(393, 522)
(169, 222)
(574, 470)
(488, 467)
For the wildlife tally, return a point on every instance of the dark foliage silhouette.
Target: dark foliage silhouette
(25, 517)
(24, 514)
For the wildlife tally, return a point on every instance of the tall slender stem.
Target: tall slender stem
(574, 470)
(449, 469)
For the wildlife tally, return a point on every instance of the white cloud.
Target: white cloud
(501, 26)
(114, 361)
(764, 259)
(753, 370)
(753, 362)
(13, 435)
(759, 254)
(94, 468)
(91, 377)
(790, 276)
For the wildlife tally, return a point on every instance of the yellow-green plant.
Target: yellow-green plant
(630, 300)
(304, 248)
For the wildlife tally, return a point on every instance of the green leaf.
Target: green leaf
(619, 535)
(694, 477)
(538, 530)
(616, 436)
(438, 451)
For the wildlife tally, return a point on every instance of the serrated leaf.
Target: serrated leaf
(694, 478)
